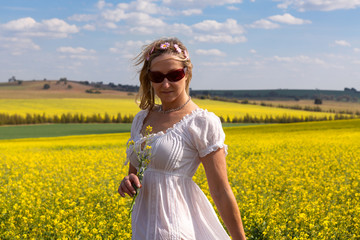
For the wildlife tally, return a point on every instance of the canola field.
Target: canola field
(292, 181)
(88, 107)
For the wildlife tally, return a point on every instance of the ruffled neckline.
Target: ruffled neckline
(175, 125)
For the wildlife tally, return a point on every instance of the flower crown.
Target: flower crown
(167, 45)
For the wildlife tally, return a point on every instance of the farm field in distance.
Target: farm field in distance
(128, 106)
(298, 180)
(326, 105)
(34, 89)
(29, 98)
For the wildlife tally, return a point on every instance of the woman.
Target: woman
(170, 205)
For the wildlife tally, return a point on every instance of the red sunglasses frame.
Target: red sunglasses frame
(172, 76)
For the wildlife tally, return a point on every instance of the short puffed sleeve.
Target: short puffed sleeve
(206, 133)
(135, 130)
(137, 124)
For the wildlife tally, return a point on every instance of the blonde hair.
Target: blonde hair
(173, 46)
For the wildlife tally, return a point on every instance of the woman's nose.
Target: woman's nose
(166, 83)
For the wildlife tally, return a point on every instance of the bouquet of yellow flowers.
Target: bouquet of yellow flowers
(143, 155)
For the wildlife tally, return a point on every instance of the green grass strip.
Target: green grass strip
(57, 130)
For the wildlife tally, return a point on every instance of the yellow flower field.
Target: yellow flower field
(293, 181)
(128, 106)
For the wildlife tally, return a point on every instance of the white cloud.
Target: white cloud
(102, 4)
(342, 43)
(124, 11)
(82, 57)
(319, 5)
(17, 46)
(264, 24)
(356, 49)
(232, 8)
(299, 59)
(253, 51)
(121, 47)
(288, 19)
(54, 27)
(230, 26)
(220, 38)
(194, 11)
(110, 25)
(89, 27)
(143, 19)
(22, 24)
(179, 28)
(212, 52)
(141, 30)
(114, 15)
(200, 3)
(149, 8)
(78, 50)
(77, 53)
(223, 64)
(82, 17)
(58, 25)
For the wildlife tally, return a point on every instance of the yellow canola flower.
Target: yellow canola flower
(293, 181)
(131, 142)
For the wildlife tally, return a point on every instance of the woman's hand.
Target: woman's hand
(127, 185)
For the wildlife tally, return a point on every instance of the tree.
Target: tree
(318, 101)
(46, 86)
(12, 79)
(64, 79)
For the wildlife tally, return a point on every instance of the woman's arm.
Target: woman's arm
(220, 190)
(126, 183)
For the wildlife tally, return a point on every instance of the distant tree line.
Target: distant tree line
(15, 119)
(283, 119)
(111, 86)
(348, 95)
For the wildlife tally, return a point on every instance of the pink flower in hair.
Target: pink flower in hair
(149, 53)
(178, 49)
(164, 45)
(186, 54)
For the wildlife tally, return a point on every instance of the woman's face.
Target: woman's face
(167, 91)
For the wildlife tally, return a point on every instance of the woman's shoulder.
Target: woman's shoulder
(138, 120)
(203, 116)
(141, 114)
(202, 121)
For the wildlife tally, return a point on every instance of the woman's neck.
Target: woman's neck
(175, 105)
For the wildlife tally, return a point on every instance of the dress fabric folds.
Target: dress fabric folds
(170, 205)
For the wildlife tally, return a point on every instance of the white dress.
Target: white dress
(170, 205)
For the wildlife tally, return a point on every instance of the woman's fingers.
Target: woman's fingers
(126, 185)
(123, 189)
(120, 191)
(134, 179)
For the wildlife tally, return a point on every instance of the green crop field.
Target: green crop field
(55, 130)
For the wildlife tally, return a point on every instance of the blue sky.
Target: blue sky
(233, 44)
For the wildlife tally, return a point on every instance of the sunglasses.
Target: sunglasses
(173, 76)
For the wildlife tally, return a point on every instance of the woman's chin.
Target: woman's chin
(167, 96)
